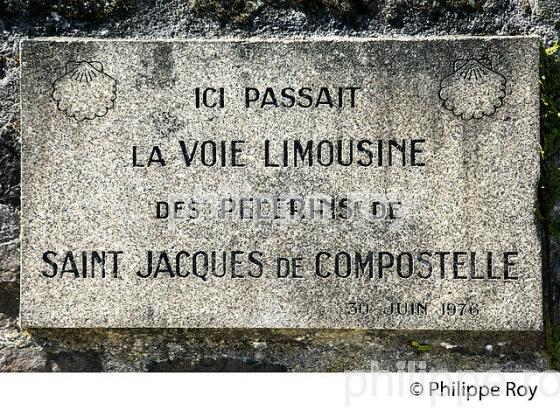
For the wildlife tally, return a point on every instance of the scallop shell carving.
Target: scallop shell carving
(85, 91)
(473, 90)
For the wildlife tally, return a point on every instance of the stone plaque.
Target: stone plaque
(320, 183)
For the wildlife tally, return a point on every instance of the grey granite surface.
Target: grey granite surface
(244, 349)
(465, 109)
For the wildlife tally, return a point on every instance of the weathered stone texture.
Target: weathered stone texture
(9, 243)
(22, 359)
(548, 10)
(129, 350)
(463, 186)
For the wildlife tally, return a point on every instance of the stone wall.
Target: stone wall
(240, 350)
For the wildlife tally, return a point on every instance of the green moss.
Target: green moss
(420, 347)
(549, 187)
(553, 344)
(550, 139)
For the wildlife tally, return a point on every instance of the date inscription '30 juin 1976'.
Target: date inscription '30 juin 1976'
(321, 183)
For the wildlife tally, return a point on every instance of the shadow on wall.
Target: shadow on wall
(214, 365)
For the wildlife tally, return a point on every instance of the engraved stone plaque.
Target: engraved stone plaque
(281, 183)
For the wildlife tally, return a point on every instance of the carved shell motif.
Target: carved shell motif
(85, 91)
(473, 90)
